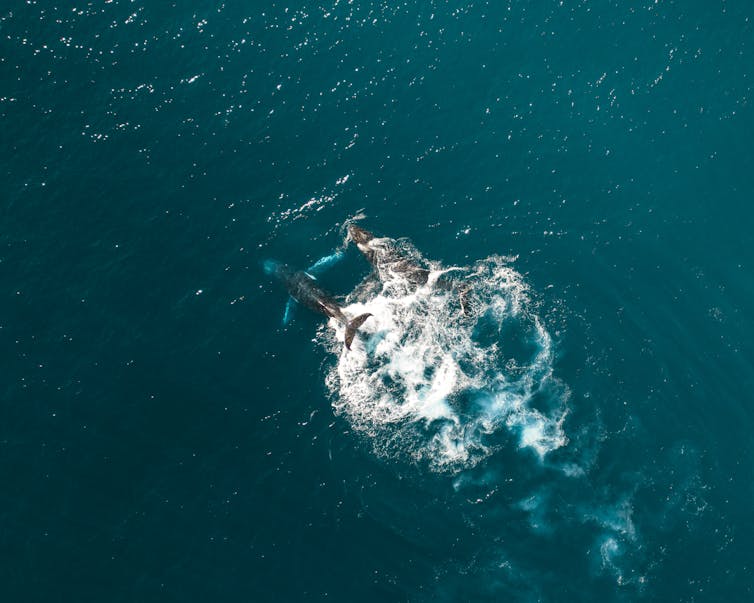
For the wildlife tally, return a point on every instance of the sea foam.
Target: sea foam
(429, 382)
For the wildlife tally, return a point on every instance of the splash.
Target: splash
(432, 383)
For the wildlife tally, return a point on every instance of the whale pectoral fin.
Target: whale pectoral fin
(353, 326)
(324, 263)
(463, 297)
(289, 308)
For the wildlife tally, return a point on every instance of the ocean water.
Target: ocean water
(585, 170)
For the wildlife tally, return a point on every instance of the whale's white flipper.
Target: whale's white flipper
(325, 262)
(289, 310)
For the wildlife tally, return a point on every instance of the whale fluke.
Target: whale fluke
(353, 326)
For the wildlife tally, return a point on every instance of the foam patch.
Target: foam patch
(425, 380)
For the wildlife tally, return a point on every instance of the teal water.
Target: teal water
(585, 436)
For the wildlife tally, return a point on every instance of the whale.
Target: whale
(386, 258)
(303, 288)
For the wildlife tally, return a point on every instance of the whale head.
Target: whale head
(359, 235)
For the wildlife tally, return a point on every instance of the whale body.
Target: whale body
(387, 258)
(303, 288)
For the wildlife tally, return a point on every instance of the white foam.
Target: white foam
(609, 550)
(425, 381)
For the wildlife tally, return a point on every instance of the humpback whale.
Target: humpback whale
(384, 255)
(386, 258)
(304, 289)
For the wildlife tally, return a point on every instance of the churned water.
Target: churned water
(562, 410)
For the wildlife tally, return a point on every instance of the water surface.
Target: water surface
(585, 437)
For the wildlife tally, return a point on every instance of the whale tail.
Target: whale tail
(353, 326)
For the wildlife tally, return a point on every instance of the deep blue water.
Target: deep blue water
(584, 435)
